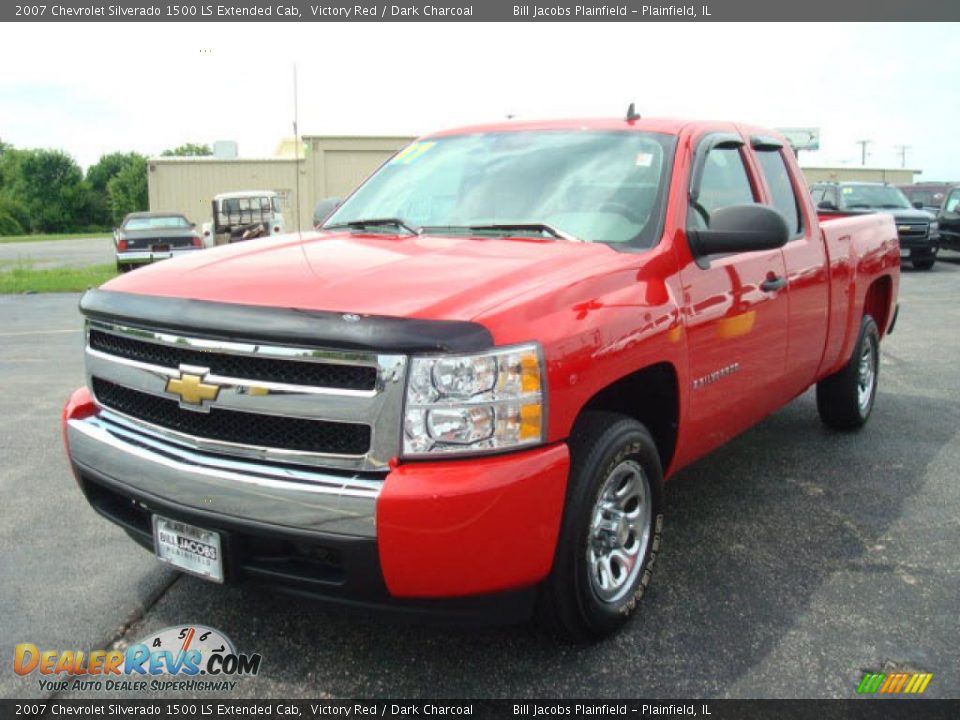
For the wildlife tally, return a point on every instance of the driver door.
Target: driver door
(735, 306)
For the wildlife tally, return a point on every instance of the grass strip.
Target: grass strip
(24, 278)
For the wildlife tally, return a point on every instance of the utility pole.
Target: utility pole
(863, 150)
(902, 150)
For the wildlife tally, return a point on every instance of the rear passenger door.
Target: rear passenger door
(735, 311)
(806, 263)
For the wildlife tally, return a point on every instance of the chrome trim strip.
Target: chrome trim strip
(295, 498)
(282, 352)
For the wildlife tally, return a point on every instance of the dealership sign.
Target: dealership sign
(802, 138)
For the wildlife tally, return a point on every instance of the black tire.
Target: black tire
(840, 402)
(923, 261)
(607, 450)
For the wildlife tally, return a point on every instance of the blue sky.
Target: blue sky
(96, 88)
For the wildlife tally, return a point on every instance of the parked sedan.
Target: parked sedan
(144, 237)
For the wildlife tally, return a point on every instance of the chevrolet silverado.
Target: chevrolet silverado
(464, 392)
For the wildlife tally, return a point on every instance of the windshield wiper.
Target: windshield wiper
(374, 222)
(541, 228)
(859, 205)
(891, 206)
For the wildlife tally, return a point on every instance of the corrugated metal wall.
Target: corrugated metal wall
(331, 167)
(188, 185)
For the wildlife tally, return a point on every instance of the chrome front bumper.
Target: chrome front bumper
(300, 498)
(142, 257)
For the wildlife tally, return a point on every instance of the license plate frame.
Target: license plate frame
(163, 248)
(189, 548)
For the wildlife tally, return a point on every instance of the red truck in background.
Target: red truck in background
(465, 391)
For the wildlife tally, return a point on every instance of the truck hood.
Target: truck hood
(898, 213)
(430, 277)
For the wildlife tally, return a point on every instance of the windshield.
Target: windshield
(594, 186)
(872, 196)
(160, 221)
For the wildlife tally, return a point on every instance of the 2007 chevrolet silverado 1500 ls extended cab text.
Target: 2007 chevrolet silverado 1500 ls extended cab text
(465, 391)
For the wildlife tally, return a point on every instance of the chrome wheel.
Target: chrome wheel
(866, 377)
(619, 532)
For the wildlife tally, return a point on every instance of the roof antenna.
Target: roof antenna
(632, 114)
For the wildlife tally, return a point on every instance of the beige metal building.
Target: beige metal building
(894, 176)
(329, 166)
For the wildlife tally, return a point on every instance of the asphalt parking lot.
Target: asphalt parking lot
(78, 252)
(794, 558)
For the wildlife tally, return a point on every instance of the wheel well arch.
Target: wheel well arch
(876, 303)
(649, 395)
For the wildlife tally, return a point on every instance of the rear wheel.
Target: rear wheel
(845, 399)
(610, 531)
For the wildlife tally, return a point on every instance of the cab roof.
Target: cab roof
(668, 126)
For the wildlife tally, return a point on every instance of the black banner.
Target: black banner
(482, 11)
(863, 709)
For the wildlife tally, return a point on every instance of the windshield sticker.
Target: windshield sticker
(644, 159)
(412, 153)
(846, 191)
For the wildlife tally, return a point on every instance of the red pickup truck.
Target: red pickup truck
(464, 392)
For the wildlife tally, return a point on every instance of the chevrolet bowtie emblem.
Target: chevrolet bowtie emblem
(191, 390)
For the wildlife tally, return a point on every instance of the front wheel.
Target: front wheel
(610, 531)
(845, 399)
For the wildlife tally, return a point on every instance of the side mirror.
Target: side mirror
(741, 228)
(918, 204)
(193, 225)
(826, 205)
(324, 208)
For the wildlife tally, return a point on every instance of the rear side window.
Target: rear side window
(816, 194)
(724, 182)
(775, 171)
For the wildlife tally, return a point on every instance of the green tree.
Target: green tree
(188, 150)
(48, 185)
(127, 190)
(99, 175)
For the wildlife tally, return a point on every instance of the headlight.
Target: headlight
(474, 403)
(934, 226)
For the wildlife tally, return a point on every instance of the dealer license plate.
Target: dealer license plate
(188, 547)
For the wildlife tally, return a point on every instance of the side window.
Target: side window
(953, 202)
(724, 182)
(816, 194)
(775, 171)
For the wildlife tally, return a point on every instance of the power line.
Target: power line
(902, 151)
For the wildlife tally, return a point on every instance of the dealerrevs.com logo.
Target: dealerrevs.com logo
(188, 658)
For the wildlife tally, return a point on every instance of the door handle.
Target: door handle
(773, 283)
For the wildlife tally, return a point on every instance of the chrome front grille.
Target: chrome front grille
(913, 229)
(299, 405)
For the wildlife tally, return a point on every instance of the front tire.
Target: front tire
(845, 399)
(610, 531)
